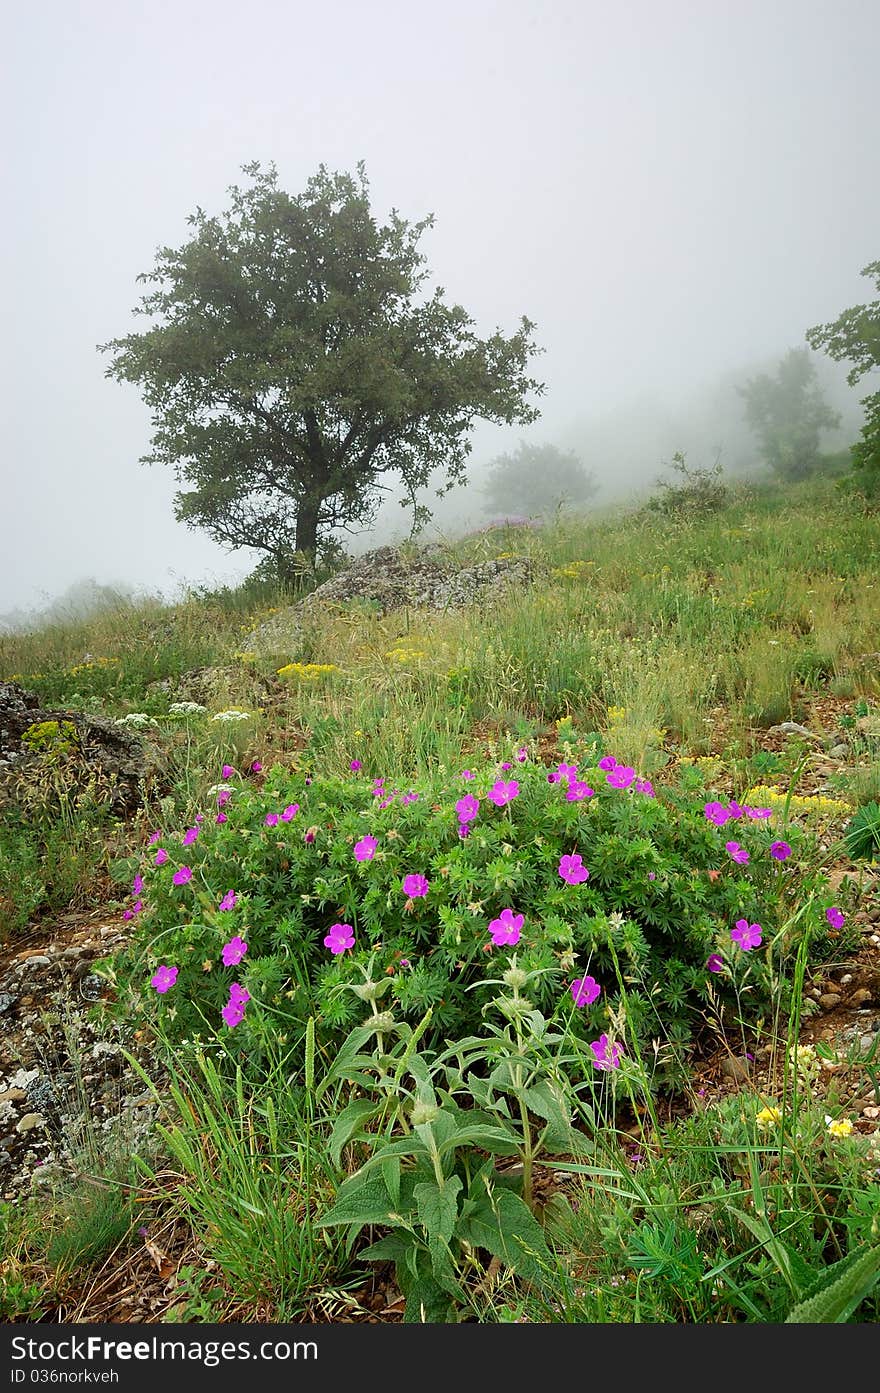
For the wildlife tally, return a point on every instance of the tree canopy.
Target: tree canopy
(788, 413)
(295, 359)
(537, 479)
(855, 337)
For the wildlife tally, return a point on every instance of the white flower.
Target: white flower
(219, 788)
(231, 715)
(186, 708)
(137, 720)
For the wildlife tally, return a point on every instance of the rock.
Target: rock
(29, 1122)
(829, 1000)
(7, 999)
(839, 751)
(867, 1042)
(390, 580)
(859, 996)
(735, 1068)
(792, 728)
(35, 960)
(13, 1095)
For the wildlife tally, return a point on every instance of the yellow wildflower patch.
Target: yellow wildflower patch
(307, 672)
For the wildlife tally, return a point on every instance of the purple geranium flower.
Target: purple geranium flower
(414, 886)
(746, 935)
(233, 1014)
(566, 771)
(585, 990)
(137, 884)
(463, 830)
(835, 917)
(608, 762)
(290, 812)
(234, 951)
(227, 771)
(505, 929)
(644, 786)
(228, 901)
(780, 851)
(271, 819)
(221, 817)
(715, 962)
(190, 835)
(355, 766)
(605, 1057)
(717, 813)
(164, 978)
(759, 812)
(738, 853)
(578, 790)
(467, 808)
(572, 869)
(183, 876)
(365, 849)
(621, 776)
(466, 774)
(503, 791)
(340, 937)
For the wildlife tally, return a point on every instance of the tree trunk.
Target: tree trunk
(307, 527)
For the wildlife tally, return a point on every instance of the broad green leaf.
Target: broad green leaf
(437, 1206)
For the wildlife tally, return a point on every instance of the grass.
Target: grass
(679, 639)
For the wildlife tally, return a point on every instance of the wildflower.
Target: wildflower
(835, 917)
(767, 1118)
(365, 849)
(621, 776)
(414, 886)
(239, 994)
(221, 817)
(585, 990)
(127, 914)
(227, 771)
(182, 876)
(156, 837)
(644, 786)
(137, 907)
(505, 930)
(652, 875)
(199, 819)
(223, 797)
(717, 813)
(746, 935)
(137, 884)
(503, 791)
(340, 937)
(552, 778)
(164, 978)
(290, 812)
(228, 901)
(572, 869)
(256, 766)
(231, 715)
(566, 771)
(578, 790)
(780, 851)
(463, 830)
(233, 1014)
(507, 765)
(190, 835)
(234, 951)
(522, 754)
(605, 1057)
(759, 812)
(309, 835)
(355, 766)
(467, 808)
(840, 1127)
(737, 852)
(735, 809)
(715, 962)
(466, 774)
(411, 797)
(608, 762)
(271, 819)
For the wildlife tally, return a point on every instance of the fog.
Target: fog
(672, 192)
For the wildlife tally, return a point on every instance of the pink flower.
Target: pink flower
(566, 771)
(746, 935)
(605, 1058)
(715, 962)
(256, 767)
(507, 765)
(227, 771)
(738, 853)
(414, 886)
(717, 813)
(161, 856)
(228, 901)
(503, 791)
(340, 937)
(522, 754)
(309, 835)
(290, 812)
(572, 869)
(190, 835)
(239, 994)
(463, 830)
(467, 808)
(156, 837)
(271, 819)
(137, 907)
(759, 812)
(365, 849)
(644, 786)
(466, 774)
(505, 930)
(233, 1014)
(585, 990)
(127, 914)
(182, 876)
(577, 790)
(355, 766)
(164, 978)
(780, 851)
(137, 884)
(234, 951)
(835, 917)
(735, 809)
(621, 776)
(608, 762)
(411, 797)
(221, 817)
(223, 797)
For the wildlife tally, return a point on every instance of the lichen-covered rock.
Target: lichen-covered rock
(41, 749)
(390, 579)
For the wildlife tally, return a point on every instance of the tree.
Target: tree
(788, 412)
(294, 363)
(537, 479)
(855, 336)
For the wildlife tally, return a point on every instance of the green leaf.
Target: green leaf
(504, 1225)
(437, 1206)
(838, 1300)
(390, 1167)
(348, 1123)
(361, 1201)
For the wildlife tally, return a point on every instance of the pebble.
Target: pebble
(829, 1000)
(37, 960)
(735, 1068)
(7, 999)
(859, 995)
(867, 1042)
(29, 1122)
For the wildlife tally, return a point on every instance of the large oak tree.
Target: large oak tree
(295, 358)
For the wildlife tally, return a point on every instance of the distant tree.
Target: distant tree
(293, 362)
(855, 337)
(537, 479)
(788, 413)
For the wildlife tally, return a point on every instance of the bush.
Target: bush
(299, 856)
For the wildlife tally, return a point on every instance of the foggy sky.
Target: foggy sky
(673, 190)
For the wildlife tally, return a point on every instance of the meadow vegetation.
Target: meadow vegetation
(433, 915)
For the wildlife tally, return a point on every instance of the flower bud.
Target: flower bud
(422, 1113)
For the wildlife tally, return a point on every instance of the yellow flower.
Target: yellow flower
(767, 1118)
(839, 1127)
